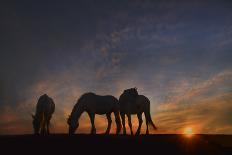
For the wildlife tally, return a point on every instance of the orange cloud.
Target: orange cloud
(204, 113)
(12, 122)
(206, 116)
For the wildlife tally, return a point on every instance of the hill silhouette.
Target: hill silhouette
(120, 144)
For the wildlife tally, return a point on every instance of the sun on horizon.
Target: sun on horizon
(188, 131)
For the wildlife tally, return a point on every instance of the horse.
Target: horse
(44, 109)
(95, 104)
(132, 103)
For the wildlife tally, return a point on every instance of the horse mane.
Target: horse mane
(77, 104)
(131, 91)
(43, 98)
(79, 100)
(83, 95)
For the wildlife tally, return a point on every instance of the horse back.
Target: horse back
(109, 98)
(133, 105)
(142, 98)
(99, 104)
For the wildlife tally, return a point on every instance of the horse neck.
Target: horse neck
(77, 111)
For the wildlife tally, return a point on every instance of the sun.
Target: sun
(188, 131)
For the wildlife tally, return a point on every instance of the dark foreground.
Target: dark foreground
(112, 144)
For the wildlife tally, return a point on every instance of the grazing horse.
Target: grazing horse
(132, 103)
(44, 110)
(95, 104)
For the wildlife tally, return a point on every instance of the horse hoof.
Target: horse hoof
(137, 134)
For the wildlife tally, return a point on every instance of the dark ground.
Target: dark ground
(112, 144)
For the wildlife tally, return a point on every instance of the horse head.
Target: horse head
(72, 125)
(36, 124)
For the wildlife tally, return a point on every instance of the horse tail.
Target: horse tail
(148, 117)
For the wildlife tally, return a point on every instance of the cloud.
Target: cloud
(12, 121)
(217, 83)
(205, 112)
(171, 56)
(65, 91)
(206, 116)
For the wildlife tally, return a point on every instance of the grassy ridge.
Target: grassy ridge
(120, 144)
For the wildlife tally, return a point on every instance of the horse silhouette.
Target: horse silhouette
(44, 109)
(132, 103)
(95, 104)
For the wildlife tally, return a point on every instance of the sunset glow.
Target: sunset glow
(188, 132)
(178, 55)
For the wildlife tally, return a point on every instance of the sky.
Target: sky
(177, 53)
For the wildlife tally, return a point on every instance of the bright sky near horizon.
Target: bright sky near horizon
(177, 53)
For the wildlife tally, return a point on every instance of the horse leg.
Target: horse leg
(139, 115)
(45, 127)
(48, 123)
(43, 130)
(118, 122)
(92, 116)
(147, 123)
(108, 115)
(123, 123)
(129, 122)
(47, 132)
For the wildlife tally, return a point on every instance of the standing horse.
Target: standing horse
(95, 104)
(44, 110)
(133, 103)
